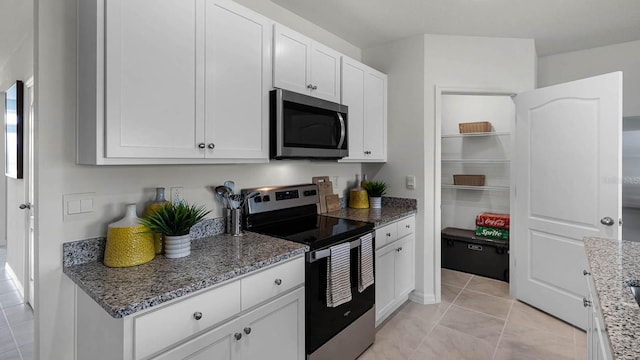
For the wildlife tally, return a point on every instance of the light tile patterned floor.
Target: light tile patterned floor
(476, 320)
(16, 319)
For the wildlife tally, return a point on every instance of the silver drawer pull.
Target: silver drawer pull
(197, 315)
(388, 234)
(238, 336)
(408, 226)
(585, 272)
(278, 281)
(247, 330)
(585, 302)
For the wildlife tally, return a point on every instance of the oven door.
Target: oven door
(306, 127)
(322, 322)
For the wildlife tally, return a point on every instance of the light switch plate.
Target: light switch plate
(78, 206)
(411, 182)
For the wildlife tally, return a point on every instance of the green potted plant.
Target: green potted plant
(375, 190)
(174, 221)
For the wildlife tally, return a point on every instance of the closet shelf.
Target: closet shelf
(481, 134)
(476, 188)
(477, 161)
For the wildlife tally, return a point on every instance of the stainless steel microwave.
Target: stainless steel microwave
(304, 127)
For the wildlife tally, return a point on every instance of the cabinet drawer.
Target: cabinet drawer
(272, 282)
(164, 327)
(406, 226)
(386, 234)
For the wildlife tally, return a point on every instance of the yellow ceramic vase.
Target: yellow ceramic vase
(358, 199)
(128, 242)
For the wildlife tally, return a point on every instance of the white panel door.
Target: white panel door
(385, 279)
(151, 79)
(238, 80)
(291, 60)
(405, 282)
(325, 72)
(567, 173)
(375, 135)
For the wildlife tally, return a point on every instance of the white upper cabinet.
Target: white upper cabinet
(172, 81)
(305, 66)
(238, 80)
(364, 91)
(150, 86)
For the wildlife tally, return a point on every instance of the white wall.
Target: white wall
(447, 61)
(403, 61)
(625, 57)
(57, 174)
(18, 67)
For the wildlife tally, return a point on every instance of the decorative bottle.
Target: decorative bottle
(129, 243)
(157, 204)
(364, 181)
(358, 198)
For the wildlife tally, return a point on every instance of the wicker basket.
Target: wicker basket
(475, 127)
(468, 180)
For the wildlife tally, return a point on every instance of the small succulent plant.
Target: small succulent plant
(376, 188)
(174, 219)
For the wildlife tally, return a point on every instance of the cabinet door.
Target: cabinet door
(353, 78)
(291, 60)
(404, 266)
(238, 80)
(375, 124)
(276, 330)
(325, 72)
(150, 63)
(385, 280)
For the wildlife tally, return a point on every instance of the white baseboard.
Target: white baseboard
(14, 278)
(422, 298)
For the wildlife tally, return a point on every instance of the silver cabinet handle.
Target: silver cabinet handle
(197, 315)
(201, 145)
(388, 234)
(211, 146)
(238, 336)
(25, 206)
(278, 281)
(408, 226)
(310, 86)
(399, 249)
(585, 272)
(606, 221)
(585, 302)
(247, 330)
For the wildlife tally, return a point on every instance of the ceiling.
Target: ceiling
(16, 22)
(556, 25)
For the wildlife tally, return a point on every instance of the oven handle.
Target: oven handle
(321, 254)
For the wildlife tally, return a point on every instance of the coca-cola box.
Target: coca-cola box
(492, 220)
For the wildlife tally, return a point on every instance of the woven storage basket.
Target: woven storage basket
(468, 180)
(475, 127)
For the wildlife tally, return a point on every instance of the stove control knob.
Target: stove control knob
(278, 281)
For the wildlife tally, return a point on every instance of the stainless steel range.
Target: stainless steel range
(334, 331)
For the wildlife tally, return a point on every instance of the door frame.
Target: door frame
(29, 261)
(437, 173)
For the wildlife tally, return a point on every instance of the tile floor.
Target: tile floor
(16, 319)
(477, 319)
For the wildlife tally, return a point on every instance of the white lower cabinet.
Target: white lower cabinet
(260, 315)
(395, 271)
(597, 339)
(273, 331)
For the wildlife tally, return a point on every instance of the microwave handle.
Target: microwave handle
(343, 130)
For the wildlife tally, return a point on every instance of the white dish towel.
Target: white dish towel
(365, 263)
(339, 275)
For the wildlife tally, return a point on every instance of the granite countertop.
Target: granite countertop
(611, 263)
(392, 210)
(124, 291)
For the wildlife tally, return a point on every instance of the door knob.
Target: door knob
(606, 221)
(25, 206)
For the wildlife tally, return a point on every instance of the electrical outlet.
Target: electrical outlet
(176, 194)
(334, 182)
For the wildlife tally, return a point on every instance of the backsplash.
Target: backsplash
(88, 250)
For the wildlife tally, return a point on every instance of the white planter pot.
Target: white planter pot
(375, 202)
(177, 246)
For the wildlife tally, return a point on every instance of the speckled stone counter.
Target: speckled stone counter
(124, 291)
(611, 263)
(392, 209)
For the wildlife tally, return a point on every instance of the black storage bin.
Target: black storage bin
(463, 251)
